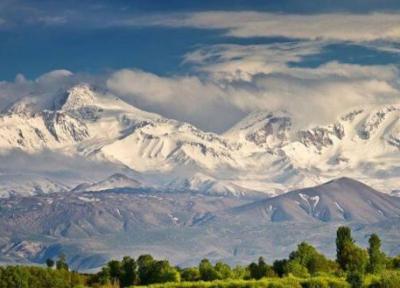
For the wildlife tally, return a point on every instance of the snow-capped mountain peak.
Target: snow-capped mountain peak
(77, 97)
(264, 152)
(263, 128)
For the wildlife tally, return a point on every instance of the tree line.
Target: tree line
(305, 267)
(352, 263)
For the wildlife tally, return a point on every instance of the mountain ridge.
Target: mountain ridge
(342, 199)
(260, 154)
(93, 227)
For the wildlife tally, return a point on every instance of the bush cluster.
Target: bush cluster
(37, 277)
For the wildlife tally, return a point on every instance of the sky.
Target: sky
(208, 63)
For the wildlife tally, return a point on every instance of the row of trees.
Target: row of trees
(357, 261)
(145, 270)
(60, 263)
(351, 262)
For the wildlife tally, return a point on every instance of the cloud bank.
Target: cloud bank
(241, 24)
(311, 95)
(230, 81)
(332, 26)
(238, 79)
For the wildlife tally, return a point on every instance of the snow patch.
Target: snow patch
(88, 199)
(339, 207)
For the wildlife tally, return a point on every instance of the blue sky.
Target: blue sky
(38, 36)
(231, 57)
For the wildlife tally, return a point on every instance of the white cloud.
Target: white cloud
(236, 80)
(232, 80)
(315, 96)
(332, 26)
(186, 98)
(52, 20)
(40, 89)
(311, 95)
(240, 62)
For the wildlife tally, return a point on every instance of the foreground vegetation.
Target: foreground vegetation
(305, 267)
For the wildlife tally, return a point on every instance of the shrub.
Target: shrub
(355, 279)
(190, 274)
(37, 277)
(386, 280)
(314, 283)
(324, 282)
(296, 269)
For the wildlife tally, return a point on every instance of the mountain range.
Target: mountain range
(93, 227)
(264, 154)
(85, 173)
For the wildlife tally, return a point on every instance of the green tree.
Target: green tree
(254, 273)
(240, 272)
(37, 277)
(114, 270)
(280, 267)
(101, 278)
(50, 263)
(128, 272)
(151, 271)
(162, 272)
(207, 271)
(310, 258)
(357, 258)
(295, 268)
(145, 263)
(61, 263)
(356, 262)
(223, 270)
(350, 257)
(355, 279)
(260, 269)
(190, 274)
(395, 262)
(343, 240)
(377, 259)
